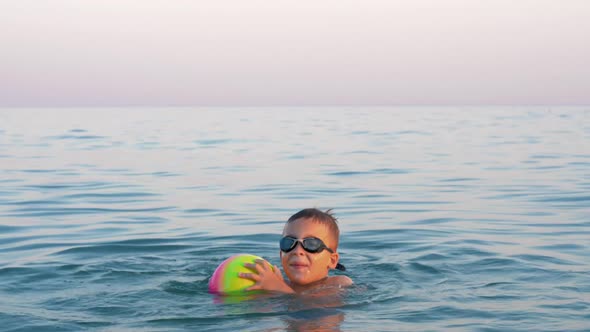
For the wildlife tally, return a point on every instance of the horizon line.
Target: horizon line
(287, 105)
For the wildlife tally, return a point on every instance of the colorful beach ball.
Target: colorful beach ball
(226, 281)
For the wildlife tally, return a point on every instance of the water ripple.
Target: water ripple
(62, 211)
(120, 228)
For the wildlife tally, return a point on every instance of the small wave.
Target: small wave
(489, 265)
(209, 142)
(463, 251)
(400, 202)
(579, 163)
(78, 186)
(441, 313)
(264, 189)
(41, 170)
(109, 195)
(544, 259)
(562, 247)
(424, 268)
(99, 250)
(546, 167)
(202, 322)
(563, 199)
(35, 202)
(184, 288)
(432, 257)
(154, 241)
(76, 137)
(545, 156)
(395, 234)
(346, 173)
(34, 246)
(200, 211)
(432, 221)
(9, 229)
(412, 132)
(498, 283)
(16, 271)
(64, 211)
(164, 174)
(459, 179)
(385, 267)
(366, 152)
(575, 306)
(376, 171)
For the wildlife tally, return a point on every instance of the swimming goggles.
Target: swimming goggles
(309, 244)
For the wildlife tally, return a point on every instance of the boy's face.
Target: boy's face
(300, 266)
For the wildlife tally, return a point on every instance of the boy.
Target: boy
(308, 252)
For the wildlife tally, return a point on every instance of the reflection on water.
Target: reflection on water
(317, 311)
(451, 218)
(320, 310)
(314, 320)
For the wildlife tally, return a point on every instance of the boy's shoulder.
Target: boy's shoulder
(342, 281)
(328, 287)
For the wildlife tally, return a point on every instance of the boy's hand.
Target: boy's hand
(267, 277)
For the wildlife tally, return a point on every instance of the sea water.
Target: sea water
(452, 218)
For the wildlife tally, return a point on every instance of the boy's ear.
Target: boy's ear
(334, 257)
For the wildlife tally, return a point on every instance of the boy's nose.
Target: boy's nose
(298, 250)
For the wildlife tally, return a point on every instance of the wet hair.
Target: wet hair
(327, 218)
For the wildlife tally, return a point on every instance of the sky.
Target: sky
(294, 53)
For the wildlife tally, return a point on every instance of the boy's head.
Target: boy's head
(320, 217)
(309, 246)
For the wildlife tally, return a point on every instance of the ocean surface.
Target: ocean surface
(451, 218)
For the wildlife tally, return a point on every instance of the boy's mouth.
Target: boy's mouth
(298, 265)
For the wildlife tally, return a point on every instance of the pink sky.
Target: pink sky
(260, 52)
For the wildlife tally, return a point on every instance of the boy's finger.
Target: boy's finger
(251, 276)
(262, 263)
(250, 265)
(253, 287)
(277, 272)
(269, 266)
(253, 266)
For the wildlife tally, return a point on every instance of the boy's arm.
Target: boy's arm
(267, 277)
